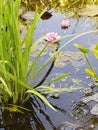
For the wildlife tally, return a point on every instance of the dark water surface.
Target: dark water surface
(69, 106)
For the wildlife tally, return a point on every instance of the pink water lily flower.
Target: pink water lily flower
(52, 37)
(65, 24)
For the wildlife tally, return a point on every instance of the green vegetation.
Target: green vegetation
(91, 70)
(58, 4)
(14, 60)
(72, 3)
(17, 73)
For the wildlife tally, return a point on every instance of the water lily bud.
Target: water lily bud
(64, 24)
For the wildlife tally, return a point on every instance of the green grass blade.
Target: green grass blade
(41, 97)
(5, 87)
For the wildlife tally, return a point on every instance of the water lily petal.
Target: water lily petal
(52, 37)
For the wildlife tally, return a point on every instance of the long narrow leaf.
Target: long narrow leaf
(5, 87)
(30, 88)
(42, 97)
(59, 77)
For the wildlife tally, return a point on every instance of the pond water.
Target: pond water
(69, 106)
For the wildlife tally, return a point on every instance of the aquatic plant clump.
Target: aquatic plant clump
(15, 67)
(17, 71)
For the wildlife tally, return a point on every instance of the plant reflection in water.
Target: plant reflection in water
(29, 120)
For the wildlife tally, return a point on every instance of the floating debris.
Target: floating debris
(87, 99)
(46, 15)
(91, 85)
(90, 98)
(29, 16)
(92, 126)
(21, 11)
(95, 97)
(88, 90)
(94, 110)
(76, 81)
(88, 77)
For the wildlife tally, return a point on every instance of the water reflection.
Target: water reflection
(33, 120)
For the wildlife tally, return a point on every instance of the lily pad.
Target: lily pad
(62, 60)
(68, 57)
(38, 49)
(90, 10)
(51, 48)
